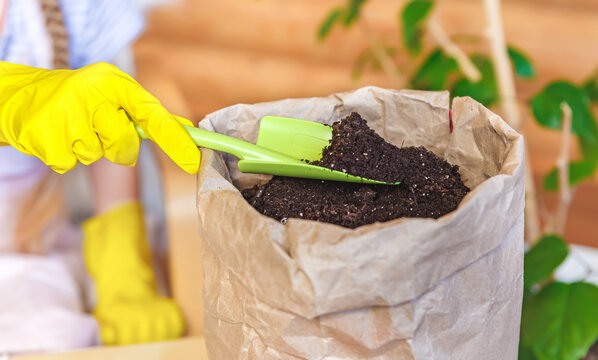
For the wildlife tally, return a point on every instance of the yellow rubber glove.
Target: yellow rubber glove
(65, 116)
(118, 258)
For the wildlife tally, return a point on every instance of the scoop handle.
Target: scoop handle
(241, 149)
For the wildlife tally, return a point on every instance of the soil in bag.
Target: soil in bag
(430, 186)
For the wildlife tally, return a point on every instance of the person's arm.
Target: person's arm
(3, 11)
(112, 185)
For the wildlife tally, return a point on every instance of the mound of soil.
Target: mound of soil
(430, 186)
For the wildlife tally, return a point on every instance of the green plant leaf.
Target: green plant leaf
(547, 111)
(561, 321)
(485, 90)
(434, 71)
(353, 10)
(412, 16)
(578, 171)
(526, 353)
(332, 18)
(346, 16)
(527, 293)
(591, 88)
(542, 259)
(589, 148)
(522, 64)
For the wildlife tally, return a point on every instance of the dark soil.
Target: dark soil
(592, 353)
(358, 150)
(430, 187)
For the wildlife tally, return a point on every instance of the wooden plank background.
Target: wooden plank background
(221, 52)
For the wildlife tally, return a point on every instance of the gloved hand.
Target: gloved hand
(118, 258)
(65, 116)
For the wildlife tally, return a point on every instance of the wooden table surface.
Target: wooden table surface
(183, 349)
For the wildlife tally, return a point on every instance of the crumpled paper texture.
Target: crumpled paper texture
(449, 288)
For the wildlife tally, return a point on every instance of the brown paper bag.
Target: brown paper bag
(449, 288)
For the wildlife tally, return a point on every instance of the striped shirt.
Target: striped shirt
(98, 30)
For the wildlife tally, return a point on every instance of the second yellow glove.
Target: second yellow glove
(118, 258)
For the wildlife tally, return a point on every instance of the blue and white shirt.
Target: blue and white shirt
(98, 30)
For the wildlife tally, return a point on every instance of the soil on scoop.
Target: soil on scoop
(430, 186)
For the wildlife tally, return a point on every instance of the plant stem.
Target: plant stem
(532, 218)
(563, 166)
(439, 35)
(510, 109)
(504, 73)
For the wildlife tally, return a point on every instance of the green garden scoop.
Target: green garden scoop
(283, 145)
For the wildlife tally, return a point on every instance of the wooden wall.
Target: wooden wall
(222, 52)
